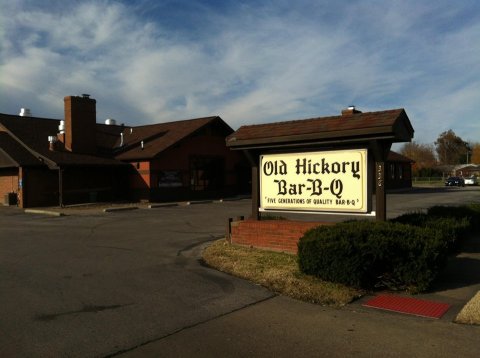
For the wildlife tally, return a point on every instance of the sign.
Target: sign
(169, 179)
(315, 181)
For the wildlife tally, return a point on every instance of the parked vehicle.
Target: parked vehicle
(471, 180)
(455, 181)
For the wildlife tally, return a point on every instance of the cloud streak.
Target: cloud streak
(249, 62)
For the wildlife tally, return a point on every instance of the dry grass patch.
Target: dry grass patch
(470, 314)
(278, 272)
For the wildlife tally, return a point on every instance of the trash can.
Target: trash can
(10, 199)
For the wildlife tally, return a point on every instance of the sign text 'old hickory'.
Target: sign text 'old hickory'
(315, 181)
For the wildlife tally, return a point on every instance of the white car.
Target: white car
(471, 180)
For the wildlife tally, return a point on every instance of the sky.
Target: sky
(250, 62)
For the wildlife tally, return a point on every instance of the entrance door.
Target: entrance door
(207, 173)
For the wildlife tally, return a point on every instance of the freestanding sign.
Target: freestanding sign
(320, 172)
(335, 181)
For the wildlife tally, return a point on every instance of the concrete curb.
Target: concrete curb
(166, 205)
(201, 202)
(43, 212)
(126, 208)
(110, 210)
(237, 198)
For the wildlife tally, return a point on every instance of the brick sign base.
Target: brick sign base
(274, 235)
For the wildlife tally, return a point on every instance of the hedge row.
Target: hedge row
(405, 253)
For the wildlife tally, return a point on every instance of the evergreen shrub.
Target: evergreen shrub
(450, 230)
(407, 252)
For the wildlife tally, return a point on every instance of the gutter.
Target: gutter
(60, 186)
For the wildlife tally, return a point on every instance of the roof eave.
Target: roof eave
(14, 163)
(357, 135)
(85, 165)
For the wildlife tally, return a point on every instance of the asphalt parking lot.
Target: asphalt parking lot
(130, 283)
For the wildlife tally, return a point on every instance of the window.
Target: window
(206, 173)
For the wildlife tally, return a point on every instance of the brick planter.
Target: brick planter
(275, 235)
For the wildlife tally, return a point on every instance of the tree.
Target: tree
(475, 153)
(422, 154)
(450, 148)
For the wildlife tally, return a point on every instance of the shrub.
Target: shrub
(407, 252)
(450, 230)
(370, 254)
(469, 212)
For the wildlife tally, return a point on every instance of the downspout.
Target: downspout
(60, 187)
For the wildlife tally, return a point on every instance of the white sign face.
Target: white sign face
(315, 181)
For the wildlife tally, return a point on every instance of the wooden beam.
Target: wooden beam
(380, 194)
(253, 159)
(380, 150)
(255, 193)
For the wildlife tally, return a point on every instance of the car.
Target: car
(471, 180)
(455, 181)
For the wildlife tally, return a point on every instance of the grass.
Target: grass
(470, 314)
(278, 272)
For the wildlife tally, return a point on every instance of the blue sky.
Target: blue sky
(247, 61)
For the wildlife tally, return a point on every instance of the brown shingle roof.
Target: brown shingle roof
(32, 134)
(13, 154)
(397, 157)
(159, 137)
(392, 124)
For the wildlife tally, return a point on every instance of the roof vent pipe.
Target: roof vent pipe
(141, 144)
(350, 110)
(61, 127)
(25, 112)
(51, 142)
(121, 140)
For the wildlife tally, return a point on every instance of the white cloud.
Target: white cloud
(252, 64)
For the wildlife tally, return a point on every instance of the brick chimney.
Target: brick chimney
(80, 123)
(350, 110)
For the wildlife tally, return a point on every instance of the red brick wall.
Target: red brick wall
(275, 235)
(8, 182)
(80, 119)
(144, 180)
(178, 157)
(140, 177)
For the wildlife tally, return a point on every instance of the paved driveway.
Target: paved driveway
(130, 282)
(94, 285)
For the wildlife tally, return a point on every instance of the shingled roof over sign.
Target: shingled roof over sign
(391, 125)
